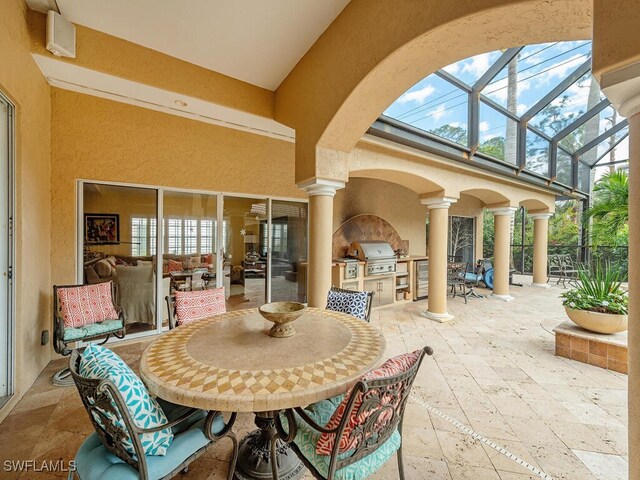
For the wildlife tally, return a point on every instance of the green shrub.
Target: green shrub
(599, 290)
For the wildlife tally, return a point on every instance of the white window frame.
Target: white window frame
(8, 328)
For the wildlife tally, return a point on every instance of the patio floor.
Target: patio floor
(493, 403)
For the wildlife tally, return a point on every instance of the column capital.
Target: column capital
(622, 87)
(438, 202)
(503, 210)
(321, 186)
(541, 216)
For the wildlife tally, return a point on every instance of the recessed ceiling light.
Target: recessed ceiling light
(180, 103)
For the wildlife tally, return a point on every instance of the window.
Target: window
(206, 236)
(175, 236)
(190, 230)
(279, 239)
(188, 236)
(143, 236)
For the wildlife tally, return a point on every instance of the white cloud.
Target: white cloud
(453, 68)
(484, 126)
(417, 96)
(522, 107)
(477, 65)
(489, 136)
(455, 124)
(499, 90)
(437, 113)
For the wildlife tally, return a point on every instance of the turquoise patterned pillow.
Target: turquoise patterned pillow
(101, 363)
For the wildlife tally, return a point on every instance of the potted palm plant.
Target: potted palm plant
(598, 303)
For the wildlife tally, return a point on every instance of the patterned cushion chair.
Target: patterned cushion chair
(83, 313)
(350, 437)
(188, 307)
(351, 302)
(135, 435)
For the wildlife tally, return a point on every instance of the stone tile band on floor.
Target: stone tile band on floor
(536, 471)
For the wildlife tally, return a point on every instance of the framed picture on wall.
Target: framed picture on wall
(101, 228)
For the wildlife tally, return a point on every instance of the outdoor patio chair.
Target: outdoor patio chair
(136, 436)
(570, 271)
(351, 302)
(554, 268)
(456, 279)
(83, 313)
(472, 279)
(353, 435)
(186, 307)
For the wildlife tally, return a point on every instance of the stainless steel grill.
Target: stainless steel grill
(379, 257)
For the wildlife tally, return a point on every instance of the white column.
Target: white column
(622, 87)
(438, 243)
(501, 251)
(321, 193)
(540, 242)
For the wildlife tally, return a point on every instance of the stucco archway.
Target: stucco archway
(356, 69)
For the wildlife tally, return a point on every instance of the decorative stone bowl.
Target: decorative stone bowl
(598, 322)
(283, 314)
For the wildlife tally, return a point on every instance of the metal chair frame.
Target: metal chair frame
(61, 346)
(376, 396)
(101, 397)
(369, 299)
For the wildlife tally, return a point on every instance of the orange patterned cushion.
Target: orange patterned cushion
(391, 367)
(191, 306)
(174, 266)
(88, 304)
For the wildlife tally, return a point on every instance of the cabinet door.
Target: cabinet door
(373, 286)
(387, 292)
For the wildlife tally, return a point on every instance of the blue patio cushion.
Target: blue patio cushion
(95, 462)
(352, 303)
(101, 363)
(91, 330)
(307, 438)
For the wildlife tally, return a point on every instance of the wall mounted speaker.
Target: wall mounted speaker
(61, 35)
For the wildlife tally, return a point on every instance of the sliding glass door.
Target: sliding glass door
(119, 245)
(6, 250)
(190, 233)
(288, 251)
(245, 243)
(253, 247)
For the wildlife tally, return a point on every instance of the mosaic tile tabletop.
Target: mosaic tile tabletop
(229, 363)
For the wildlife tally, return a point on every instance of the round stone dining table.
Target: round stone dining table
(229, 363)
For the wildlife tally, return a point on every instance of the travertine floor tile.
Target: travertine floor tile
(493, 370)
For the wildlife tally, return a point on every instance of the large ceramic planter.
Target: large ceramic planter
(598, 322)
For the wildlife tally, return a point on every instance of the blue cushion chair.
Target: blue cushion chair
(357, 304)
(63, 335)
(377, 437)
(105, 455)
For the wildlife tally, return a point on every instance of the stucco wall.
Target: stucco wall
(398, 205)
(98, 139)
(23, 83)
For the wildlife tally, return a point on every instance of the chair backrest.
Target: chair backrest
(195, 305)
(59, 345)
(368, 305)
(456, 272)
(380, 410)
(103, 401)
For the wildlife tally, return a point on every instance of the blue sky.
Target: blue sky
(433, 102)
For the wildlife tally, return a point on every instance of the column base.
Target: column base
(438, 317)
(504, 298)
(541, 285)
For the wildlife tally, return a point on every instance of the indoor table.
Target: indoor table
(229, 363)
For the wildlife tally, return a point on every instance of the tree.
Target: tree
(610, 209)
(494, 146)
(449, 132)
